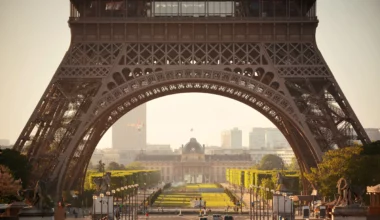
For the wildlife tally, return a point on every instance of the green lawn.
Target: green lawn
(180, 197)
(200, 186)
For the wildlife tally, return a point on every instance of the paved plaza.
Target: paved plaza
(194, 217)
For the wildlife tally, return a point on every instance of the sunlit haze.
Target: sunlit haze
(35, 36)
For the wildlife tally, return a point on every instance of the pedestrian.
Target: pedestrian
(75, 213)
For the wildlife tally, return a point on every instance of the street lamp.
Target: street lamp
(257, 205)
(108, 193)
(122, 202)
(261, 211)
(117, 195)
(144, 210)
(101, 204)
(250, 201)
(132, 197)
(113, 202)
(284, 195)
(129, 201)
(94, 198)
(291, 207)
(272, 191)
(278, 203)
(267, 196)
(116, 201)
(200, 206)
(136, 192)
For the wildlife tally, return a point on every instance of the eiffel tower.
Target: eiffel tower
(124, 53)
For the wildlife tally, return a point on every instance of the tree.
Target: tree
(293, 164)
(17, 164)
(267, 183)
(8, 185)
(113, 166)
(271, 162)
(335, 164)
(100, 167)
(134, 166)
(363, 169)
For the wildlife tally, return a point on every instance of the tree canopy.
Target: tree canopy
(114, 166)
(100, 167)
(271, 162)
(8, 185)
(358, 164)
(134, 166)
(293, 164)
(17, 163)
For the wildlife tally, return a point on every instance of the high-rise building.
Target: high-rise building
(129, 132)
(257, 138)
(232, 138)
(236, 138)
(275, 139)
(260, 138)
(226, 139)
(373, 133)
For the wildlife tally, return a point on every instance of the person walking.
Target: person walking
(75, 213)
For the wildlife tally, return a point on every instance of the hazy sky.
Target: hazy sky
(35, 36)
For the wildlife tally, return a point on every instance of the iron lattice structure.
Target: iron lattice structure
(259, 52)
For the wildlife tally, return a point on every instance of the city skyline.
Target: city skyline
(32, 49)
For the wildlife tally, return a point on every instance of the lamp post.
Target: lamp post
(94, 198)
(278, 203)
(137, 191)
(291, 207)
(122, 202)
(101, 204)
(284, 194)
(117, 195)
(108, 193)
(144, 210)
(257, 202)
(250, 201)
(136, 204)
(272, 191)
(113, 202)
(200, 206)
(266, 199)
(261, 211)
(130, 209)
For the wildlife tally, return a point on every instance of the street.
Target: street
(193, 217)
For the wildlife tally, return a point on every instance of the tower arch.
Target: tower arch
(122, 56)
(269, 102)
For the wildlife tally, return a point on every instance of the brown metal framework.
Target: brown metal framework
(114, 65)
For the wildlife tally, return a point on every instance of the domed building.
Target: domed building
(193, 165)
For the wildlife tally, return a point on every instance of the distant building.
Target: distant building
(373, 133)
(236, 138)
(260, 138)
(232, 138)
(127, 156)
(226, 139)
(4, 142)
(158, 149)
(257, 138)
(129, 134)
(193, 165)
(257, 154)
(275, 139)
